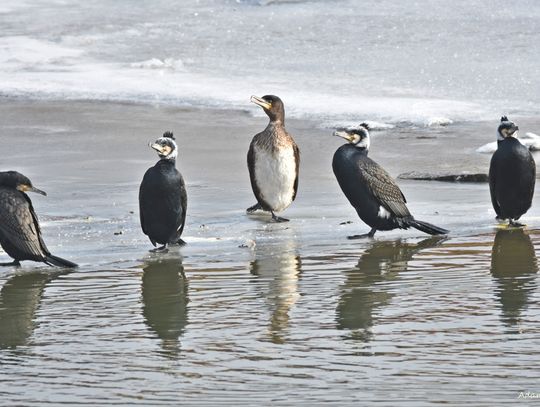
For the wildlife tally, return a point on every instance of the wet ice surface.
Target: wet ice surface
(300, 314)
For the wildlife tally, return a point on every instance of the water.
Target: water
(423, 63)
(251, 312)
(402, 321)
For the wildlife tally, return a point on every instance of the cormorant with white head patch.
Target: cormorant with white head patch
(273, 161)
(20, 234)
(162, 197)
(370, 189)
(512, 175)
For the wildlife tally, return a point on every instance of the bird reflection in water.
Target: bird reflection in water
(362, 295)
(514, 268)
(277, 271)
(19, 300)
(165, 301)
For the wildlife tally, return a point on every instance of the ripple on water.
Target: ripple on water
(440, 317)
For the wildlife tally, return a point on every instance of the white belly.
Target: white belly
(275, 175)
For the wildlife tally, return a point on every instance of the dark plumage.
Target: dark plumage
(162, 197)
(273, 161)
(20, 234)
(512, 175)
(371, 191)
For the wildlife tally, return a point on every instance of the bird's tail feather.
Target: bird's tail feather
(427, 227)
(59, 262)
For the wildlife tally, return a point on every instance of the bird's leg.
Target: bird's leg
(515, 223)
(277, 218)
(13, 263)
(370, 235)
(254, 208)
(162, 249)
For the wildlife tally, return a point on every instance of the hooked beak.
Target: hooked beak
(261, 102)
(343, 134)
(28, 188)
(156, 147)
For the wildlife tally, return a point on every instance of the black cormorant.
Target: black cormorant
(512, 174)
(162, 197)
(273, 161)
(370, 189)
(20, 234)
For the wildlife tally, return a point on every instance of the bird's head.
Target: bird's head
(15, 180)
(272, 106)
(165, 146)
(506, 129)
(358, 136)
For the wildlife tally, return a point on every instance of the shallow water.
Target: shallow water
(250, 311)
(404, 322)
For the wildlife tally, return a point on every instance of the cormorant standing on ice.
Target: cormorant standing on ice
(369, 188)
(273, 161)
(512, 174)
(20, 234)
(162, 197)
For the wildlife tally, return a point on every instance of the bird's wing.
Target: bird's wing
(297, 162)
(251, 166)
(141, 204)
(18, 224)
(532, 166)
(183, 205)
(492, 188)
(384, 188)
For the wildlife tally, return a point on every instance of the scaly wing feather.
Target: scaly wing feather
(384, 188)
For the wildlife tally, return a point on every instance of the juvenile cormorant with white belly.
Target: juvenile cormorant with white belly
(370, 189)
(273, 161)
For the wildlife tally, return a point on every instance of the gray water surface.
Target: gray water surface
(252, 312)
(399, 321)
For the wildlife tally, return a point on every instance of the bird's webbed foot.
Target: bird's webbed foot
(370, 235)
(162, 249)
(13, 263)
(515, 223)
(181, 242)
(278, 219)
(254, 208)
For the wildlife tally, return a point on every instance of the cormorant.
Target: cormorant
(20, 234)
(273, 161)
(512, 174)
(370, 189)
(162, 197)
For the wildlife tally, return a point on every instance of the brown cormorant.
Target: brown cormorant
(370, 189)
(162, 197)
(512, 174)
(273, 161)
(20, 234)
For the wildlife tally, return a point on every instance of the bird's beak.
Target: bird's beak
(156, 147)
(343, 134)
(38, 191)
(261, 102)
(29, 188)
